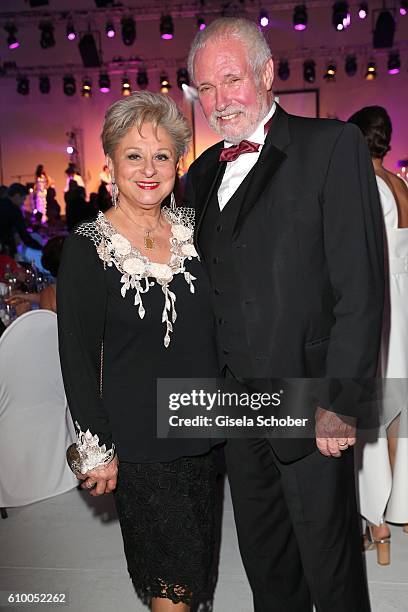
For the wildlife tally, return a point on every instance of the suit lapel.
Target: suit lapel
(271, 157)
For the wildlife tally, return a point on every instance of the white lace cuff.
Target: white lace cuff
(86, 454)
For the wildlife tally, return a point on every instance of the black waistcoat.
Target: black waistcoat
(220, 257)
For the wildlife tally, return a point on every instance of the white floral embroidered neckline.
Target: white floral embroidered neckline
(138, 271)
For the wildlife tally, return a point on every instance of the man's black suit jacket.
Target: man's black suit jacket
(308, 240)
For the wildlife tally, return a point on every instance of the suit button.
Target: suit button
(215, 260)
(217, 291)
(219, 228)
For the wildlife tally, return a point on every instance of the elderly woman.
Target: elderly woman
(118, 283)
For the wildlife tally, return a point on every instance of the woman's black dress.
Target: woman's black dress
(111, 358)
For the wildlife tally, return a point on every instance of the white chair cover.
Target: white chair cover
(35, 424)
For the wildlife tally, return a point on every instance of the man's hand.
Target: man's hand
(102, 479)
(334, 433)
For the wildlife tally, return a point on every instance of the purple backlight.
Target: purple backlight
(403, 11)
(104, 89)
(202, 27)
(394, 71)
(167, 36)
(71, 36)
(264, 22)
(347, 21)
(362, 13)
(300, 26)
(14, 45)
(110, 33)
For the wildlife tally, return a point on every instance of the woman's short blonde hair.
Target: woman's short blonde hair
(141, 107)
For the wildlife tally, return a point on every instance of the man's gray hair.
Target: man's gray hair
(241, 29)
(145, 107)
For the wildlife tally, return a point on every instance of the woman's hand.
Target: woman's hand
(102, 479)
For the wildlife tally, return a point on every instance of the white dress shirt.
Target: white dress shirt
(237, 170)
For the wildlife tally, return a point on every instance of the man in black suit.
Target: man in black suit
(289, 228)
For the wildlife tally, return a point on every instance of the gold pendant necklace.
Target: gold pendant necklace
(148, 241)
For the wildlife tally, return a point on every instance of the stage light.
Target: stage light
(164, 83)
(71, 34)
(330, 74)
(341, 16)
(350, 65)
(394, 63)
(104, 82)
(371, 73)
(300, 17)
(44, 84)
(142, 79)
(86, 90)
(283, 70)
(182, 77)
(363, 10)
(263, 18)
(47, 39)
(403, 7)
(309, 71)
(384, 30)
(128, 26)
(126, 86)
(201, 25)
(23, 86)
(70, 150)
(69, 85)
(110, 30)
(166, 27)
(12, 36)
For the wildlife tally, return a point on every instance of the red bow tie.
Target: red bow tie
(232, 153)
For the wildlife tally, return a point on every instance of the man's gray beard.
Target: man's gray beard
(236, 139)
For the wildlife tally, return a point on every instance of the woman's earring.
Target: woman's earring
(173, 204)
(114, 193)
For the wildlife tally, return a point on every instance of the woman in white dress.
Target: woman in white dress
(383, 473)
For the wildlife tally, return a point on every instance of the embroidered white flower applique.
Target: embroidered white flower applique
(137, 270)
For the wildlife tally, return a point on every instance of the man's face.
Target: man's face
(232, 99)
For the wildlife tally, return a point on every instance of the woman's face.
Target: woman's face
(144, 166)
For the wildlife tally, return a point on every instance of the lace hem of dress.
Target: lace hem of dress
(137, 269)
(177, 593)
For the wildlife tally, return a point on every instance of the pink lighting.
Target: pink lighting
(394, 71)
(110, 33)
(202, 26)
(71, 36)
(14, 45)
(362, 13)
(264, 22)
(300, 27)
(70, 149)
(403, 11)
(167, 36)
(104, 89)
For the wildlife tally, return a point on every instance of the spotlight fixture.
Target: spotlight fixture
(86, 90)
(110, 30)
(263, 18)
(71, 34)
(363, 10)
(69, 85)
(384, 30)
(300, 17)
(47, 39)
(309, 71)
(182, 77)
(23, 86)
(166, 27)
(394, 63)
(330, 74)
(350, 65)
(12, 41)
(44, 84)
(104, 82)
(371, 73)
(126, 86)
(403, 7)
(142, 79)
(201, 25)
(341, 15)
(164, 83)
(128, 30)
(283, 70)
